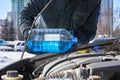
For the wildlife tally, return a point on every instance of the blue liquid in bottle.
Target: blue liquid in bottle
(50, 40)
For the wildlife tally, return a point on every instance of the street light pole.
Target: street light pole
(111, 17)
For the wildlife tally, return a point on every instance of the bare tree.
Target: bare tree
(4, 34)
(116, 21)
(105, 23)
(117, 32)
(8, 31)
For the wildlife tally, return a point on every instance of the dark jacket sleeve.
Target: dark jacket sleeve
(89, 30)
(28, 13)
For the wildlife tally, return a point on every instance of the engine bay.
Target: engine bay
(81, 63)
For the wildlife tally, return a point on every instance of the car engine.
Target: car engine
(81, 63)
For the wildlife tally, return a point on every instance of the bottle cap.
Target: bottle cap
(12, 73)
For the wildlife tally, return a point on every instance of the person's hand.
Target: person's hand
(25, 34)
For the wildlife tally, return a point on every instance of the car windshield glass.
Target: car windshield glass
(18, 44)
(22, 44)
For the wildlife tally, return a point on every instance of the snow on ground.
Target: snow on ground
(8, 57)
(15, 55)
(4, 61)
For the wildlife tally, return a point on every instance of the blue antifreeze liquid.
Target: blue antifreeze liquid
(50, 40)
(49, 46)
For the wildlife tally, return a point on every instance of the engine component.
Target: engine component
(12, 75)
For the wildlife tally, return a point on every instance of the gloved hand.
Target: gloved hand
(25, 34)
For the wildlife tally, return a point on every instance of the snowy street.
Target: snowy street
(8, 57)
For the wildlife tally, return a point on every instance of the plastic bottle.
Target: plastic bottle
(12, 75)
(50, 40)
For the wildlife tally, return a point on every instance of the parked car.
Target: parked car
(2, 42)
(19, 46)
(6, 48)
(101, 39)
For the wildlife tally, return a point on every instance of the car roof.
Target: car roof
(102, 39)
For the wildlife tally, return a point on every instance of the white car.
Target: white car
(6, 48)
(19, 46)
(97, 40)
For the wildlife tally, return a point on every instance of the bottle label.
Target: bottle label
(52, 37)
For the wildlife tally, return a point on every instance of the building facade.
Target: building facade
(2, 23)
(9, 19)
(17, 5)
